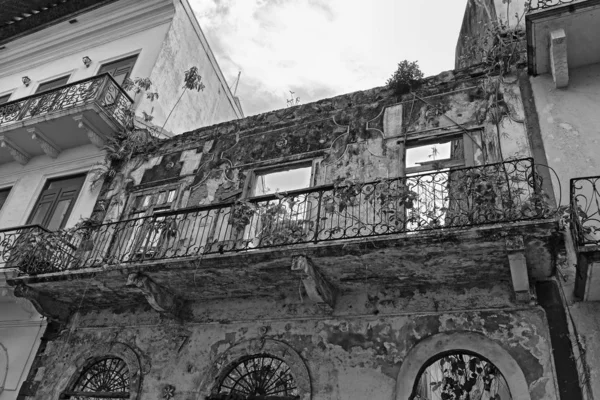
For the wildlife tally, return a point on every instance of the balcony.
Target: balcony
(585, 210)
(585, 233)
(73, 115)
(421, 230)
(537, 5)
(33, 244)
(574, 26)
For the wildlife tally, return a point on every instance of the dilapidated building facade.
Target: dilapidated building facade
(385, 244)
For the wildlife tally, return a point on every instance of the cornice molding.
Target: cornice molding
(109, 23)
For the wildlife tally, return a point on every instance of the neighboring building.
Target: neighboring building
(364, 246)
(61, 67)
(563, 61)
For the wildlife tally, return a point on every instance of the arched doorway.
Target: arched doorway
(459, 375)
(431, 349)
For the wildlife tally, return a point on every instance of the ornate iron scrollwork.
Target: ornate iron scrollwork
(104, 379)
(258, 375)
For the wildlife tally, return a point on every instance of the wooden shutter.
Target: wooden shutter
(120, 70)
(56, 202)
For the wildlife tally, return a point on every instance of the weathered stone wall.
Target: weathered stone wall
(356, 136)
(356, 357)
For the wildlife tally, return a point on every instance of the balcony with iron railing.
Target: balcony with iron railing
(537, 5)
(461, 217)
(584, 239)
(72, 115)
(585, 210)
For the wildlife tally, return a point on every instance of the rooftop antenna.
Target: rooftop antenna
(237, 81)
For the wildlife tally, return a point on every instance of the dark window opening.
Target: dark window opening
(3, 196)
(56, 202)
(120, 70)
(53, 84)
(5, 98)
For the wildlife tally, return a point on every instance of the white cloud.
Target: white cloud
(321, 48)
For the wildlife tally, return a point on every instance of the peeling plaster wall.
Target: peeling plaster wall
(349, 137)
(357, 357)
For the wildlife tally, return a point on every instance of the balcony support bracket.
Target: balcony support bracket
(558, 58)
(157, 296)
(51, 149)
(45, 305)
(91, 131)
(518, 268)
(319, 290)
(18, 154)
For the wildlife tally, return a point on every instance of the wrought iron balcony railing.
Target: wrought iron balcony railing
(464, 197)
(585, 209)
(536, 5)
(101, 89)
(34, 245)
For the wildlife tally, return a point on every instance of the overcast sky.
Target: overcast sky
(322, 48)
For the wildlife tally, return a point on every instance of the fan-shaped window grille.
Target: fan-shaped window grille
(258, 377)
(458, 376)
(104, 379)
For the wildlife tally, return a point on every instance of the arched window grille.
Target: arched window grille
(460, 376)
(107, 378)
(257, 377)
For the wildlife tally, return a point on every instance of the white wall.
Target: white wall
(569, 125)
(26, 183)
(107, 34)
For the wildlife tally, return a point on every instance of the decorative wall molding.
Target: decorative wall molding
(103, 25)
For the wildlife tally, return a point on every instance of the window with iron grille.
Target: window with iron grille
(260, 376)
(107, 378)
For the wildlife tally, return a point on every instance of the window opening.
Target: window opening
(53, 84)
(282, 180)
(429, 165)
(56, 202)
(435, 154)
(3, 196)
(120, 69)
(104, 379)
(258, 377)
(460, 375)
(285, 217)
(5, 98)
